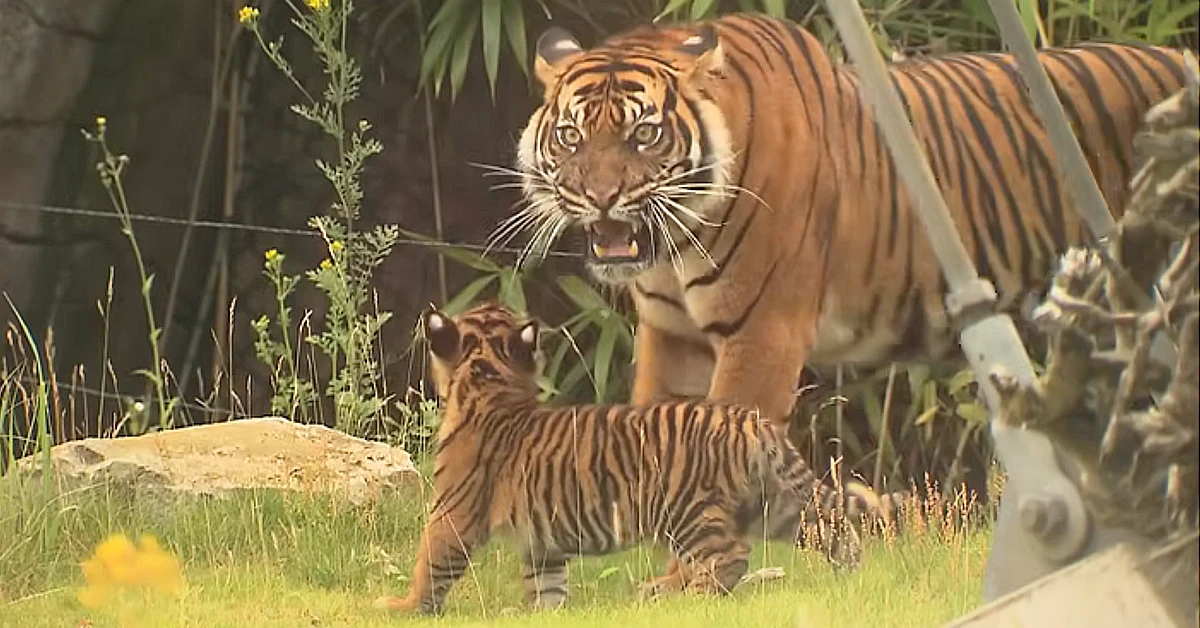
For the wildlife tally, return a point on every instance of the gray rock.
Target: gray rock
(264, 453)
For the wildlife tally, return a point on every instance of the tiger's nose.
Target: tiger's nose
(604, 197)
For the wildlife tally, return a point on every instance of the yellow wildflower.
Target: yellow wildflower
(326, 264)
(247, 15)
(117, 562)
(317, 5)
(271, 254)
(336, 246)
(101, 121)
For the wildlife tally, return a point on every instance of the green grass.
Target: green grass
(272, 559)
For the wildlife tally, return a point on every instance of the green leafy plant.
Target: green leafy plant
(293, 396)
(111, 168)
(602, 361)
(1154, 22)
(350, 329)
(453, 30)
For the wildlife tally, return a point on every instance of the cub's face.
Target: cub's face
(624, 148)
(488, 343)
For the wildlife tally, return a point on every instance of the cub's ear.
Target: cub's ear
(524, 344)
(442, 334)
(529, 334)
(554, 51)
(703, 48)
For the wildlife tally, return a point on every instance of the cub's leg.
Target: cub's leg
(671, 582)
(669, 365)
(442, 558)
(545, 580)
(715, 552)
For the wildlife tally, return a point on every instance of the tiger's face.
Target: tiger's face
(486, 343)
(626, 147)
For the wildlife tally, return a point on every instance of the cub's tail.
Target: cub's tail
(798, 507)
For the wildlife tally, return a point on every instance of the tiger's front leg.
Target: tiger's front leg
(545, 580)
(442, 558)
(759, 365)
(669, 365)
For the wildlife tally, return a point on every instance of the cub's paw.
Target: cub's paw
(657, 587)
(394, 604)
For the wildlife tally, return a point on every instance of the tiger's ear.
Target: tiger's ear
(554, 51)
(525, 342)
(442, 334)
(703, 49)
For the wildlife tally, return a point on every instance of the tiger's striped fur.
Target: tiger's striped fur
(731, 175)
(693, 476)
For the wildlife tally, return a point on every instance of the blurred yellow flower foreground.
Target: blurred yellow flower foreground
(119, 563)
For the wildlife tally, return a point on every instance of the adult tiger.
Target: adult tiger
(701, 479)
(731, 174)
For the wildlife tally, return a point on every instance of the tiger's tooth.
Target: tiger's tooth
(597, 249)
(633, 248)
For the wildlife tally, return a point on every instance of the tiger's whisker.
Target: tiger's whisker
(515, 224)
(559, 227)
(706, 187)
(532, 209)
(501, 239)
(689, 234)
(688, 211)
(534, 186)
(546, 220)
(694, 171)
(672, 250)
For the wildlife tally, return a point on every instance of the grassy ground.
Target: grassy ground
(266, 559)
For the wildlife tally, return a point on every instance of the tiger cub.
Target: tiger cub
(692, 476)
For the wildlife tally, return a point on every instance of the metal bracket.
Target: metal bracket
(1042, 524)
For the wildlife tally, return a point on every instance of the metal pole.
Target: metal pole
(989, 340)
(1071, 162)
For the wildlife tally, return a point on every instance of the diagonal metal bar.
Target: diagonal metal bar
(1070, 161)
(989, 341)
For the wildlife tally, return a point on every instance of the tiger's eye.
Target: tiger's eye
(647, 134)
(569, 136)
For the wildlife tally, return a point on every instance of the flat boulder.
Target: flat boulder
(260, 453)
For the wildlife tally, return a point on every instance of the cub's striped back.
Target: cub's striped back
(701, 479)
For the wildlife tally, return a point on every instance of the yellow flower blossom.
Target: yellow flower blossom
(317, 5)
(336, 246)
(117, 563)
(271, 254)
(326, 264)
(247, 15)
(101, 121)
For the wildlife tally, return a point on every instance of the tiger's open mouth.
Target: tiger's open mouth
(617, 242)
